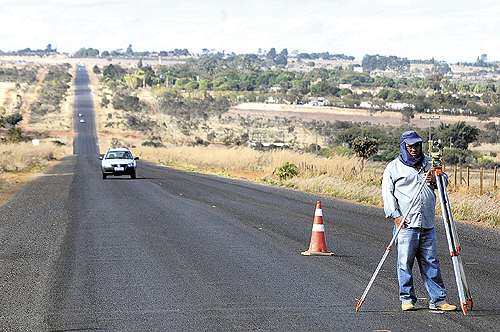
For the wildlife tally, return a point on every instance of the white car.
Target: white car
(82, 121)
(118, 161)
(80, 114)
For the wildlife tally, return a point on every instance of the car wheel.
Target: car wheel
(104, 176)
(132, 175)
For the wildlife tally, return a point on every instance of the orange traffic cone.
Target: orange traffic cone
(317, 247)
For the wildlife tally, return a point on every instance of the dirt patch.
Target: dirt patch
(7, 94)
(309, 113)
(30, 96)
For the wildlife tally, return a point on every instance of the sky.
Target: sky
(450, 30)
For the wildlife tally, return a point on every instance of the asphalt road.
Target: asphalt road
(175, 251)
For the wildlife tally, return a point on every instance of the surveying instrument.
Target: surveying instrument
(435, 150)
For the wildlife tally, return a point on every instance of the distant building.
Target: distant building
(345, 86)
(399, 106)
(318, 101)
(271, 100)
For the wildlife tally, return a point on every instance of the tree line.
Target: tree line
(250, 73)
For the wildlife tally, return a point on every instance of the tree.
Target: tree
(129, 51)
(324, 88)
(407, 113)
(86, 53)
(132, 81)
(271, 54)
(13, 119)
(282, 58)
(113, 72)
(459, 134)
(364, 148)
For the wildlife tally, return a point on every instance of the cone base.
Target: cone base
(317, 253)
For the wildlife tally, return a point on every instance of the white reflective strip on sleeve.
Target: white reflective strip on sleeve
(318, 228)
(318, 213)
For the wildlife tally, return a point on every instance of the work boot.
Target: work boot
(408, 307)
(443, 307)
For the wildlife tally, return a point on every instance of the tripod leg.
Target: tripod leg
(454, 247)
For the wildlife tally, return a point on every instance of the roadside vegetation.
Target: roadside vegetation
(52, 93)
(338, 176)
(41, 111)
(179, 116)
(25, 157)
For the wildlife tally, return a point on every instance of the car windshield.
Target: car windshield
(119, 155)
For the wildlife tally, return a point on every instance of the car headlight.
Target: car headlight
(131, 164)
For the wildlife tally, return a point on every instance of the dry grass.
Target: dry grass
(493, 150)
(245, 159)
(471, 208)
(25, 157)
(7, 94)
(339, 177)
(20, 162)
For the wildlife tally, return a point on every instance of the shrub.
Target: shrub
(14, 134)
(153, 144)
(139, 123)
(127, 103)
(105, 102)
(456, 156)
(58, 143)
(365, 147)
(286, 171)
(313, 148)
(13, 119)
(344, 151)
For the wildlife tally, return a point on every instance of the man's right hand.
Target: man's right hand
(398, 220)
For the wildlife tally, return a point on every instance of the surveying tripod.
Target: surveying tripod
(449, 226)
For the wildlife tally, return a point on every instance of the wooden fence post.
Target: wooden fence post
(481, 181)
(468, 177)
(461, 175)
(495, 179)
(455, 175)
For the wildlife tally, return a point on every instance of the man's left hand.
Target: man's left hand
(430, 178)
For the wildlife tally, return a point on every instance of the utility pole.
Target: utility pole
(316, 145)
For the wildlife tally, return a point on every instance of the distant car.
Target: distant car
(118, 161)
(80, 114)
(82, 121)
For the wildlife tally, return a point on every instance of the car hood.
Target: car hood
(107, 162)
